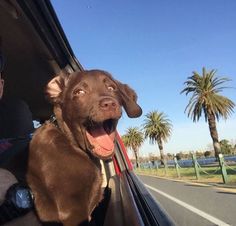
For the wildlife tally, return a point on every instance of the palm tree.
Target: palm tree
(157, 128)
(133, 139)
(205, 98)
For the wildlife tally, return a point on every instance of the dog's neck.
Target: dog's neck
(77, 138)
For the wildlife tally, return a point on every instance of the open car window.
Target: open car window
(36, 49)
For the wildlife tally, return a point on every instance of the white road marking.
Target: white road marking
(191, 208)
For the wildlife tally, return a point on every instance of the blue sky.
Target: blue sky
(154, 46)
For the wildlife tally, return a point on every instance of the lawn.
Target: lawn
(207, 174)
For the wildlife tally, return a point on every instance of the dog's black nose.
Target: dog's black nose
(108, 104)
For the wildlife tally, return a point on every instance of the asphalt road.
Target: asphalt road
(190, 204)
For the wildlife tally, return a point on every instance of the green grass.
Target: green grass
(207, 174)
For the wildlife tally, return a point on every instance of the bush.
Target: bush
(178, 156)
(207, 153)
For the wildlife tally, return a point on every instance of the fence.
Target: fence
(222, 170)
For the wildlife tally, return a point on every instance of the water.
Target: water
(187, 162)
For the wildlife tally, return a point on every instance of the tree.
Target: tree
(226, 147)
(158, 129)
(133, 139)
(151, 158)
(234, 149)
(207, 154)
(199, 154)
(170, 156)
(178, 156)
(205, 98)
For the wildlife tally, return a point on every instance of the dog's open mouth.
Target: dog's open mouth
(102, 136)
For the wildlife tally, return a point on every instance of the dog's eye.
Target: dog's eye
(79, 92)
(111, 88)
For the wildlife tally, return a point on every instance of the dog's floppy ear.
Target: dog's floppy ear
(129, 100)
(56, 86)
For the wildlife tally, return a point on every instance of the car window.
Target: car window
(180, 59)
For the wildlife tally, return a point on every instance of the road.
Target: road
(191, 204)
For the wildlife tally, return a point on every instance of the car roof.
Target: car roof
(36, 49)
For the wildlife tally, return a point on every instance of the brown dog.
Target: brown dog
(64, 160)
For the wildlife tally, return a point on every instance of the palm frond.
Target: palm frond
(205, 97)
(157, 126)
(133, 138)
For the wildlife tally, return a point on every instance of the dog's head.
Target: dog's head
(92, 101)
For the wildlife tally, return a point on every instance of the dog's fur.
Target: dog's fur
(64, 159)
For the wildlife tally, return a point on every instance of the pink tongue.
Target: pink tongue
(102, 139)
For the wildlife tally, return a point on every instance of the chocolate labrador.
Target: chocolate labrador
(64, 160)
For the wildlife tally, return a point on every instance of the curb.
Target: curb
(223, 185)
(203, 184)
